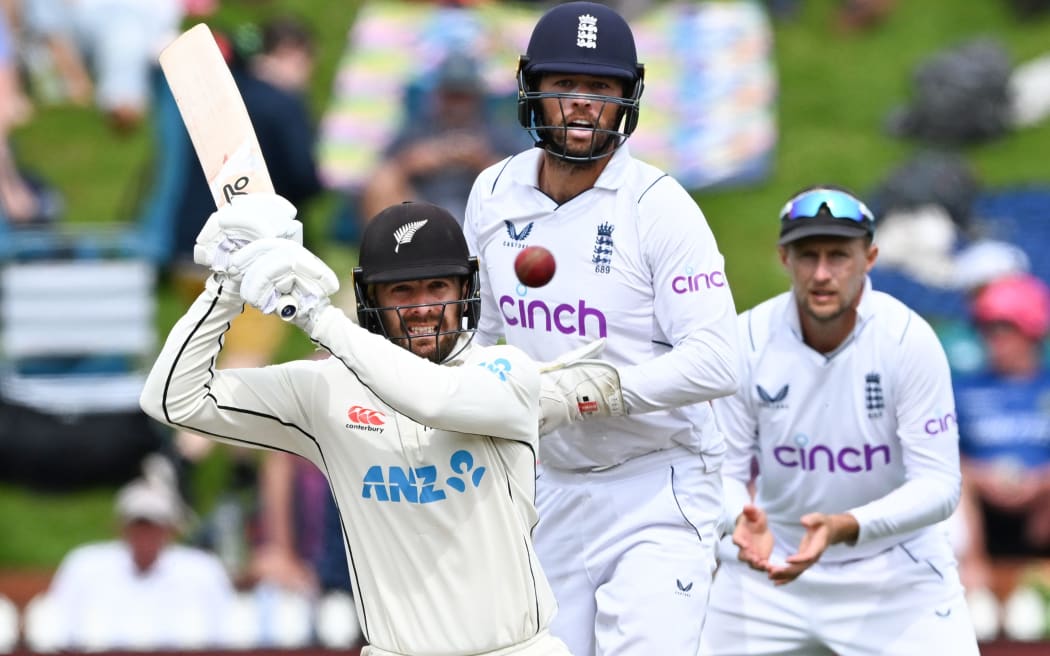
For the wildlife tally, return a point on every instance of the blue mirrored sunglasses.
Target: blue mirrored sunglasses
(837, 204)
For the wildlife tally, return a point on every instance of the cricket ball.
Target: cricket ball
(534, 266)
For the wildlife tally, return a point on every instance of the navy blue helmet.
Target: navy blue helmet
(580, 38)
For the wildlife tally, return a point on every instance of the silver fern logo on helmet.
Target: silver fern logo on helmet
(404, 234)
(587, 32)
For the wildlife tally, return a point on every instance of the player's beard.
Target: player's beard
(434, 346)
(601, 144)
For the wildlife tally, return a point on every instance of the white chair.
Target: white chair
(8, 625)
(1024, 614)
(286, 617)
(76, 340)
(242, 626)
(337, 625)
(41, 629)
(78, 308)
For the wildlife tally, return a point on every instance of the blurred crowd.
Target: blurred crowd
(272, 546)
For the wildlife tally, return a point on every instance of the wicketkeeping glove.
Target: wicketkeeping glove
(245, 219)
(574, 387)
(274, 268)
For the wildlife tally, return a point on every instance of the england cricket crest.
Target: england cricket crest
(603, 249)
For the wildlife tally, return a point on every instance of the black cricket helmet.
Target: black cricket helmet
(580, 38)
(414, 241)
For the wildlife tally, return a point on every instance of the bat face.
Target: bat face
(215, 116)
(217, 121)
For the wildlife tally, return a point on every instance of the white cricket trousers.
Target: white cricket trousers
(904, 601)
(542, 644)
(630, 551)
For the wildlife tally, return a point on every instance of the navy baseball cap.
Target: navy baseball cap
(583, 38)
(825, 212)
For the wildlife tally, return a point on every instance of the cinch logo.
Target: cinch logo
(940, 424)
(420, 484)
(697, 283)
(566, 319)
(363, 418)
(822, 458)
(517, 238)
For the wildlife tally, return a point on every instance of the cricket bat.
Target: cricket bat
(217, 120)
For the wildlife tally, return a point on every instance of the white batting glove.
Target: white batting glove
(245, 219)
(574, 387)
(274, 268)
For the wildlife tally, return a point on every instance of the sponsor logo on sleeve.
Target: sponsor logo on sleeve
(693, 282)
(941, 424)
(499, 366)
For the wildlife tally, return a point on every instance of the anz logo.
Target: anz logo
(768, 400)
(421, 484)
(499, 366)
(517, 239)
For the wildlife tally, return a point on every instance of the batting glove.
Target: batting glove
(275, 269)
(245, 219)
(574, 387)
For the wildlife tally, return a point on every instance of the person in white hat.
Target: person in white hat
(142, 590)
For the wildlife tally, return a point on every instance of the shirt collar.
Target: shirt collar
(613, 176)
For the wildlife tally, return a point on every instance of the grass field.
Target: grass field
(835, 93)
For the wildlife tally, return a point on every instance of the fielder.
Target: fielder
(846, 404)
(630, 506)
(432, 467)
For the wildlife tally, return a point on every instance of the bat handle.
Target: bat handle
(287, 308)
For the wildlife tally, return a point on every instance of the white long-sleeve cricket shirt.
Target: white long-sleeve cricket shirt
(432, 467)
(637, 264)
(868, 429)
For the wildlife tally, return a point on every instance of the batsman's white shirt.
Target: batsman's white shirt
(436, 497)
(868, 429)
(637, 264)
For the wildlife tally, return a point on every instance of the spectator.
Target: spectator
(292, 497)
(142, 590)
(1004, 430)
(443, 145)
(116, 40)
(18, 203)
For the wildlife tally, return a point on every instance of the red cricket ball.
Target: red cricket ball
(534, 266)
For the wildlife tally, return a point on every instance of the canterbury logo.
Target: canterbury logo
(777, 398)
(515, 235)
(366, 416)
(404, 234)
